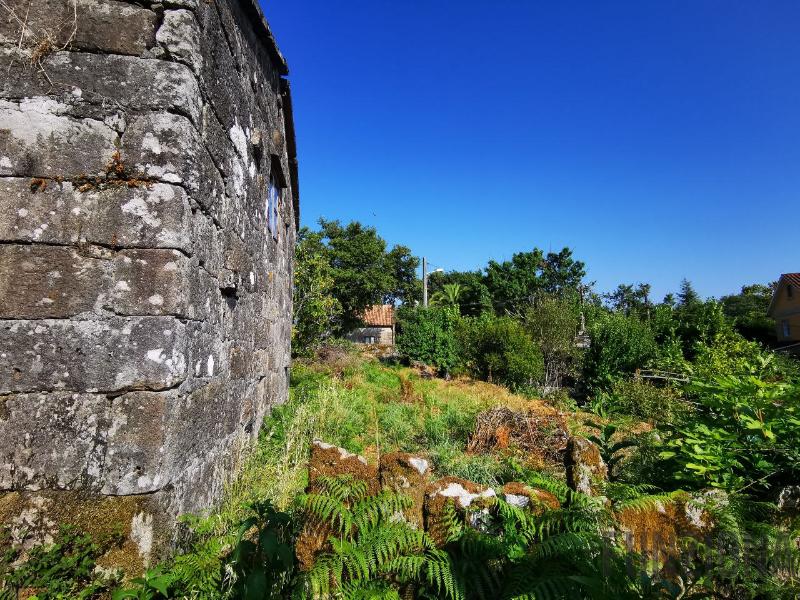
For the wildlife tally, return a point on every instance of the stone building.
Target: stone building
(148, 212)
(378, 326)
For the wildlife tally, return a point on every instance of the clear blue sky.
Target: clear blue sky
(659, 140)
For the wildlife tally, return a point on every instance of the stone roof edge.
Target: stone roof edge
(253, 9)
(291, 149)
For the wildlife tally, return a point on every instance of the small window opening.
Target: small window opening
(273, 204)
(787, 331)
(790, 290)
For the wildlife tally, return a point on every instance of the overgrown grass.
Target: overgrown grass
(371, 409)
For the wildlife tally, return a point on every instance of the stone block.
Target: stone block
(586, 470)
(167, 147)
(110, 355)
(149, 216)
(530, 498)
(37, 140)
(109, 80)
(34, 517)
(47, 281)
(55, 282)
(179, 35)
(64, 440)
(408, 475)
(454, 493)
(94, 25)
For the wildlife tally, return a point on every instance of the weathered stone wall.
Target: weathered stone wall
(383, 336)
(145, 308)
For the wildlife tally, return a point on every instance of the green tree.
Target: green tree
(473, 299)
(315, 309)
(515, 284)
(687, 296)
(357, 255)
(552, 323)
(560, 273)
(748, 309)
(621, 344)
(447, 296)
(631, 300)
(406, 286)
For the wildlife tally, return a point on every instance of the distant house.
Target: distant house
(785, 308)
(379, 326)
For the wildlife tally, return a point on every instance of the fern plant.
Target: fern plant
(372, 552)
(562, 553)
(63, 569)
(610, 450)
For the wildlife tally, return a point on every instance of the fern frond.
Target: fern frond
(653, 502)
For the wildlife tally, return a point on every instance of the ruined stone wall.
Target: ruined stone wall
(145, 307)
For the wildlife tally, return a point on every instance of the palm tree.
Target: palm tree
(447, 296)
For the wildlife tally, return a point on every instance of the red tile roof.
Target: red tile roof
(379, 315)
(793, 278)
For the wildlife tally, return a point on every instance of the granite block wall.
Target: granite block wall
(145, 299)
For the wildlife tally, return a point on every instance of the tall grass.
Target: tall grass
(276, 467)
(365, 408)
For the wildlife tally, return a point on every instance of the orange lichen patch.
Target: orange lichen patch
(311, 541)
(331, 461)
(116, 175)
(538, 501)
(657, 532)
(654, 532)
(38, 185)
(34, 518)
(409, 475)
(539, 433)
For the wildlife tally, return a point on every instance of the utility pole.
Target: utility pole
(425, 281)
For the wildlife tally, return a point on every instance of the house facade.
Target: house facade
(379, 327)
(785, 308)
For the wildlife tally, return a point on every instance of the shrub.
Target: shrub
(66, 568)
(428, 335)
(746, 435)
(647, 401)
(498, 349)
(620, 345)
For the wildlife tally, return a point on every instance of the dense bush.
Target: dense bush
(428, 335)
(499, 349)
(620, 345)
(642, 399)
(746, 435)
